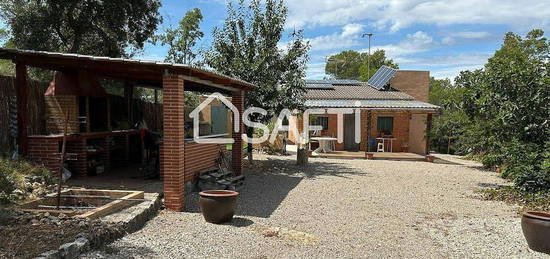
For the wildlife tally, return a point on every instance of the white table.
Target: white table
(324, 144)
(384, 141)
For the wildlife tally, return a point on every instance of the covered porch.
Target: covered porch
(181, 159)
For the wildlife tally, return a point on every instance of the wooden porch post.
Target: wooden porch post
(22, 113)
(173, 146)
(237, 150)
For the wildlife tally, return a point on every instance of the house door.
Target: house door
(349, 133)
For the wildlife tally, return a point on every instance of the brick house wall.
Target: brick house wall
(200, 156)
(56, 107)
(413, 83)
(401, 130)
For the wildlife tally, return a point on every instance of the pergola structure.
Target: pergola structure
(173, 79)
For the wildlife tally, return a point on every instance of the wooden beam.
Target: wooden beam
(22, 109)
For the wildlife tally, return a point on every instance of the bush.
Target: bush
(21, 180)
(527, 165)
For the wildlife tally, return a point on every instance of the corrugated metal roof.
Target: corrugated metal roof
(372, 104)
(360, 91)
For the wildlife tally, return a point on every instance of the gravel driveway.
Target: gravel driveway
(344, 208)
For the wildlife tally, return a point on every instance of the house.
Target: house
(393, 106)
(77, 100)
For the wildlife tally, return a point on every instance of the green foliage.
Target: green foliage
(247, 47)
(350, 64)
(501, 113)
(17, 178)
(183, 39)
(104, 28)
(538, 201)
(448, 127)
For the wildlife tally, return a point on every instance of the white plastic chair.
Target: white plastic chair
(380, 147)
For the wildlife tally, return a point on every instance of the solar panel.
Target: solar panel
(381, 77)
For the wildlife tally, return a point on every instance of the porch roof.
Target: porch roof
(373, 104)
(141, 72)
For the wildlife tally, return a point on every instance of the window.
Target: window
(385, 125)
(321, 121)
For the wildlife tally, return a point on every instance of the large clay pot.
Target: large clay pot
(218, 206)
(536, 229)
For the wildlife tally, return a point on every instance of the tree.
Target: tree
(447, 128)
(508, 106)
(247, 47)
(104, 28)
(351, 64)
(183, 39)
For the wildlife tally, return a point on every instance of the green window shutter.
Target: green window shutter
(385, 124)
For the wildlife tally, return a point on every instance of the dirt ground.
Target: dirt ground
(26, 235)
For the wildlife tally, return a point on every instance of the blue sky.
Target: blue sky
(443, 37)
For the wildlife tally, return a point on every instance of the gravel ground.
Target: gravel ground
(344, 208)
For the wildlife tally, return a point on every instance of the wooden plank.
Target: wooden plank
(22, 109)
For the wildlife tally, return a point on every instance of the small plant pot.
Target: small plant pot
(536, 229)
(429, 158)
(369, 156)
(218, 206)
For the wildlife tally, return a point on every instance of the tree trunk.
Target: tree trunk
(301, 156)
(249, 148)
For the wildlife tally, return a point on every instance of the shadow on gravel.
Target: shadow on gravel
(240, 222)
(438, 160)
(268, 183)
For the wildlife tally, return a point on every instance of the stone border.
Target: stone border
(131, 219)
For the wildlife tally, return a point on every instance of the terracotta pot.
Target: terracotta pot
(218, 206)
(429, 158)
(536, 229)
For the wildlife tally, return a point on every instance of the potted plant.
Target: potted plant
(218, 206)
(536, 229)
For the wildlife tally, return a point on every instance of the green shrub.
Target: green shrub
(20, 180)
(527, 165)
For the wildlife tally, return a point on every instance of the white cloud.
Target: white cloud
(413, 43)
(398, 14)
(349, 37)
(464, 35)
(352, 29)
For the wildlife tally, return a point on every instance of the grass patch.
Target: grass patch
(539, 201)
(20, 180)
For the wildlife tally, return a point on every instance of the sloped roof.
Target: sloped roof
(372, 104)
(347, 90)
(146, 71)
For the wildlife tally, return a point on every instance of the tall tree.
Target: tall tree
(105, 28)
(351, 64)
(247, 47)
(183, 39)
(449, 125)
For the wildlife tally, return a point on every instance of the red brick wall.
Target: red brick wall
(56, 107)
(45, 152)
(237, 150)
(400, 129)
(413, 83)
(199, 156)
(173, 147)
